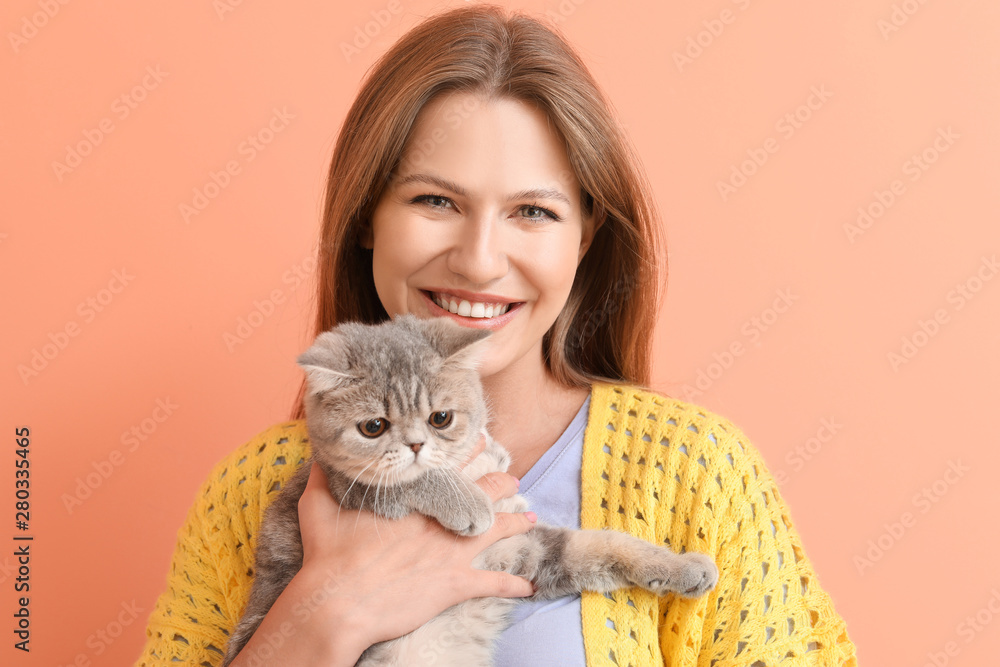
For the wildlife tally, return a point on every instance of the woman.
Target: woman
(480, 176)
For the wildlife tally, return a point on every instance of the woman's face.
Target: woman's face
(482, 216)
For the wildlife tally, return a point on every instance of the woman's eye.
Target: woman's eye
(373, 428)
(440, 419)
(528, 212)
(537, 213)
(434, 201)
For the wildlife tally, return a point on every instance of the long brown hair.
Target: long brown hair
(605, 330)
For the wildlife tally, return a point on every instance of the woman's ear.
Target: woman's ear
(591, 223)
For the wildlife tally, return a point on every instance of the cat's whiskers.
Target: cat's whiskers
(394, 475)
(351, 486)
(348, 469)
(452, 459)
(463, 497)
(374, 482)
(378, 485)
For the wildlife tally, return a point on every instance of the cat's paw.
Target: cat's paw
(513, 505)
(475, 522)
(478, 524)
(691, 576)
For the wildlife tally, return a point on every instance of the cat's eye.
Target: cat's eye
(373, 428)
(440, 419)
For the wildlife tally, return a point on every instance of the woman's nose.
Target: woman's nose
(478, 252)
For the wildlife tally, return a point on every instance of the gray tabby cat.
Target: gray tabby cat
(393, 410)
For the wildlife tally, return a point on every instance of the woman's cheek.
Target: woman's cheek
(395, 240)
(556, 262)
(415, 236)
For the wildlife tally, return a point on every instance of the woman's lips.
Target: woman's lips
(467, 305)
(472, 322)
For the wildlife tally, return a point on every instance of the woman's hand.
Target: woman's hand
(367, 579)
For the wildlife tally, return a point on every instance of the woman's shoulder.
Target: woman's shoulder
(275, 442)
(642, 408)
(679, 474)
(229, 505)
(632, 428)
(253, 471)
(646, 452)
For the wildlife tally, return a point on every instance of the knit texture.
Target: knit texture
(677, 474)
(663, 469)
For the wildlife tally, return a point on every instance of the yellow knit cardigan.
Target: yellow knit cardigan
(663, 469)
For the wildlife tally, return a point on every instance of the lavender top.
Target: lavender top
(550, 632)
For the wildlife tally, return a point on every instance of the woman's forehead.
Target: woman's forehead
(501, 145)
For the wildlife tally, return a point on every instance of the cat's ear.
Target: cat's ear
(470, 356)
(325, 363)
(461, 347)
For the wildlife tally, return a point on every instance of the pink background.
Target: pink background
(776, 269)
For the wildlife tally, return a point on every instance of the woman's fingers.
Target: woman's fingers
(316, 501)
(403, 571)
(317, 489)
(498, 485)
(487, 583)
(506, 524)
(316, 508)
(477, 450)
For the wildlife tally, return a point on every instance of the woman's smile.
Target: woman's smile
(485, 229)
(489, 313)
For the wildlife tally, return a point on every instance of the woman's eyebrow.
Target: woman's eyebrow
(541, 193)
(531, 193)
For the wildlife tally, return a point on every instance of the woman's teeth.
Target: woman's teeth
(470, 309)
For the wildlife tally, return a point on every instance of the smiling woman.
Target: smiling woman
(492, 221)
(480, 176)
(544, 137)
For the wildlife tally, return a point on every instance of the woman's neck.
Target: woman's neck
(529, 409)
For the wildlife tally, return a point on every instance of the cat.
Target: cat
(393, 410)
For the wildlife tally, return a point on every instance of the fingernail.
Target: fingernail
(518, 482)
(532, 517)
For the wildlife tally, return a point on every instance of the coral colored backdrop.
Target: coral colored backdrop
(828, 178)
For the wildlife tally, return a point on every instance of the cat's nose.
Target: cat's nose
(415, 446)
